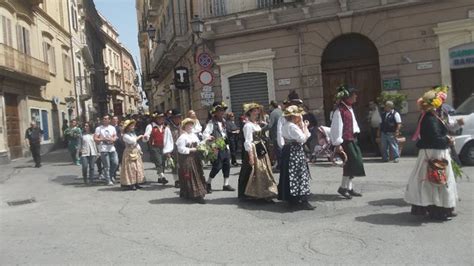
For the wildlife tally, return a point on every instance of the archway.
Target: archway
(351, 59)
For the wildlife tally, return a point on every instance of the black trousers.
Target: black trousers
(35, 149)
(222, 163)
(233, 142)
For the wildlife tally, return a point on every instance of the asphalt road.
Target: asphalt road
(70, 223)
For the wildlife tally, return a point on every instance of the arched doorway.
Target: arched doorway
(351, 59)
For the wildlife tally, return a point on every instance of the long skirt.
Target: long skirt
(191, 176)
(354, 165)
(257, 182)
(294, 174)
(132, 171)
(426, 196)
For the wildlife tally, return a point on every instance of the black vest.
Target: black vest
(216, 133)
(388, 125)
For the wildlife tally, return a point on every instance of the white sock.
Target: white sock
(162, 175)
(344, 182)
(226, 181)
(209, 180)
(349, 183)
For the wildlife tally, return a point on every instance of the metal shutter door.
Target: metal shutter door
(248, 87)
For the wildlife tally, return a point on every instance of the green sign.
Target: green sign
(391, 84)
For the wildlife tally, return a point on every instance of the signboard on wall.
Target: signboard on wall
(391, 84)
(181, 78)
(462, 56)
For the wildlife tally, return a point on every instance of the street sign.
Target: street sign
(181, 78)
(207, 102)
(392, 84)
(206, 77)
(206, 88)
(207, 95)
(205, 60)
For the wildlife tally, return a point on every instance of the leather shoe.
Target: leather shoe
(138, 186)
(307, 206)
(344, 193)
(200, 200)
(354, 194)
(208, 188)
(228, 188)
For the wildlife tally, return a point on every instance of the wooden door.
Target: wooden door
(13, 125)
(332, 80)
(367, 80)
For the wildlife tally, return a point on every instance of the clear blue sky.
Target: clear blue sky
(123, 15)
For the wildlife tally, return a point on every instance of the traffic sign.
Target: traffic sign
(205, 60)
(206, 77)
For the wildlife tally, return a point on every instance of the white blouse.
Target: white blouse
(89, 147)
(131, 139)
(249, 129)
(280, 141)
(185, 140)
(197, 128)
(291, 131)
(337, 126)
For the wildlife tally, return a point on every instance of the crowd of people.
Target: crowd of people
(270, 144)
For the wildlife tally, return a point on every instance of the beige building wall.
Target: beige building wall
(129, 74)
(39, 44)
(405, 39)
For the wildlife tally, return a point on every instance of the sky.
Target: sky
(123, 16)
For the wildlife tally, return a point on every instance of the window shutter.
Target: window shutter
(27, 41)
(45, 52)
(4, 29)
(9, 32)
(19, 39)
(53, 59)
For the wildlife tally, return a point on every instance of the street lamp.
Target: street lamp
(151, 31)
(197, 25)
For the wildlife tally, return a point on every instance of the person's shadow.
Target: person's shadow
(400, 219)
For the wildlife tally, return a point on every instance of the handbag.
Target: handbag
(260, 149)
(437, 171)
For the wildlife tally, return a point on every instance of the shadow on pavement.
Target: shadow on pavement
(373, 160)
(326, 197)
(389, 202)
(150, 187)
(68, 180)
(400, 219)
(24, 166)
(111, 189)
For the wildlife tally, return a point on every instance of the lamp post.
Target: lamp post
(151, 31)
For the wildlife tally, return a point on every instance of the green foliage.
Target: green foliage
(458, 173)
(396, 98)
(170, 164)
(209, 150)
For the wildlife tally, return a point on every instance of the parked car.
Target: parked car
(464, 137)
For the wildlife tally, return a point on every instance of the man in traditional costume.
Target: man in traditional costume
(174, 124)
(216, 127)
(344, 130)
(160, 141)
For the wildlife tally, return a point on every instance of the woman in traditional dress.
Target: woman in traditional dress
(294, 185)
(191, 175)
(132, 171)
(437, 200)
(256, 178)
(197, 128)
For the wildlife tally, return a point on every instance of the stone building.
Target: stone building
(263, 49)
(132, 96)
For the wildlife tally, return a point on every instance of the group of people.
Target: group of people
(175, 141)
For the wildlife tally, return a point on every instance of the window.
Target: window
(6, 31)
(110, 57)
(79, 78)
(105, 56)
(74, 18)
(41, 118)
(67, 66)
(49, 57)
(23, 39)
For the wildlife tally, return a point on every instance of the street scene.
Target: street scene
(71, 223)
(253, 132)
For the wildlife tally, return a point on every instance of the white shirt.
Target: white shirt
(249, 129)
(398, 119)
(210, 127)
(374, 118)
(167, 139)
(88, 146)
(185, 140)
(197, 128)
(281, 122)
(131, 140)
(106, 132)
(291, 131)
(337, 126)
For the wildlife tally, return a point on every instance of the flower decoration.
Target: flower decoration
(434, 98)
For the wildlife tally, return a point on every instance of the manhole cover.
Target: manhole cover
(21, 202)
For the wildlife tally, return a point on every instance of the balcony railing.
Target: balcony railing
(23, 66)
(217, 8)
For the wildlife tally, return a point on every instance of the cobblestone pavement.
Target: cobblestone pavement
(70, 223)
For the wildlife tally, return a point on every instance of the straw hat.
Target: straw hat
(293, 110)
(187, 121)
(218, 106)
(250, 106)
(158, 114)
(128, 123)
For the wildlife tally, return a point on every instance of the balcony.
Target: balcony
(218, 8)
(115, 89)
(17, 65)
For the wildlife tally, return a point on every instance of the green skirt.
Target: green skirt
(354, 165)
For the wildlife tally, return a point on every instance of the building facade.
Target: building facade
(133, 100)
(263, 49)
(36, 78)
